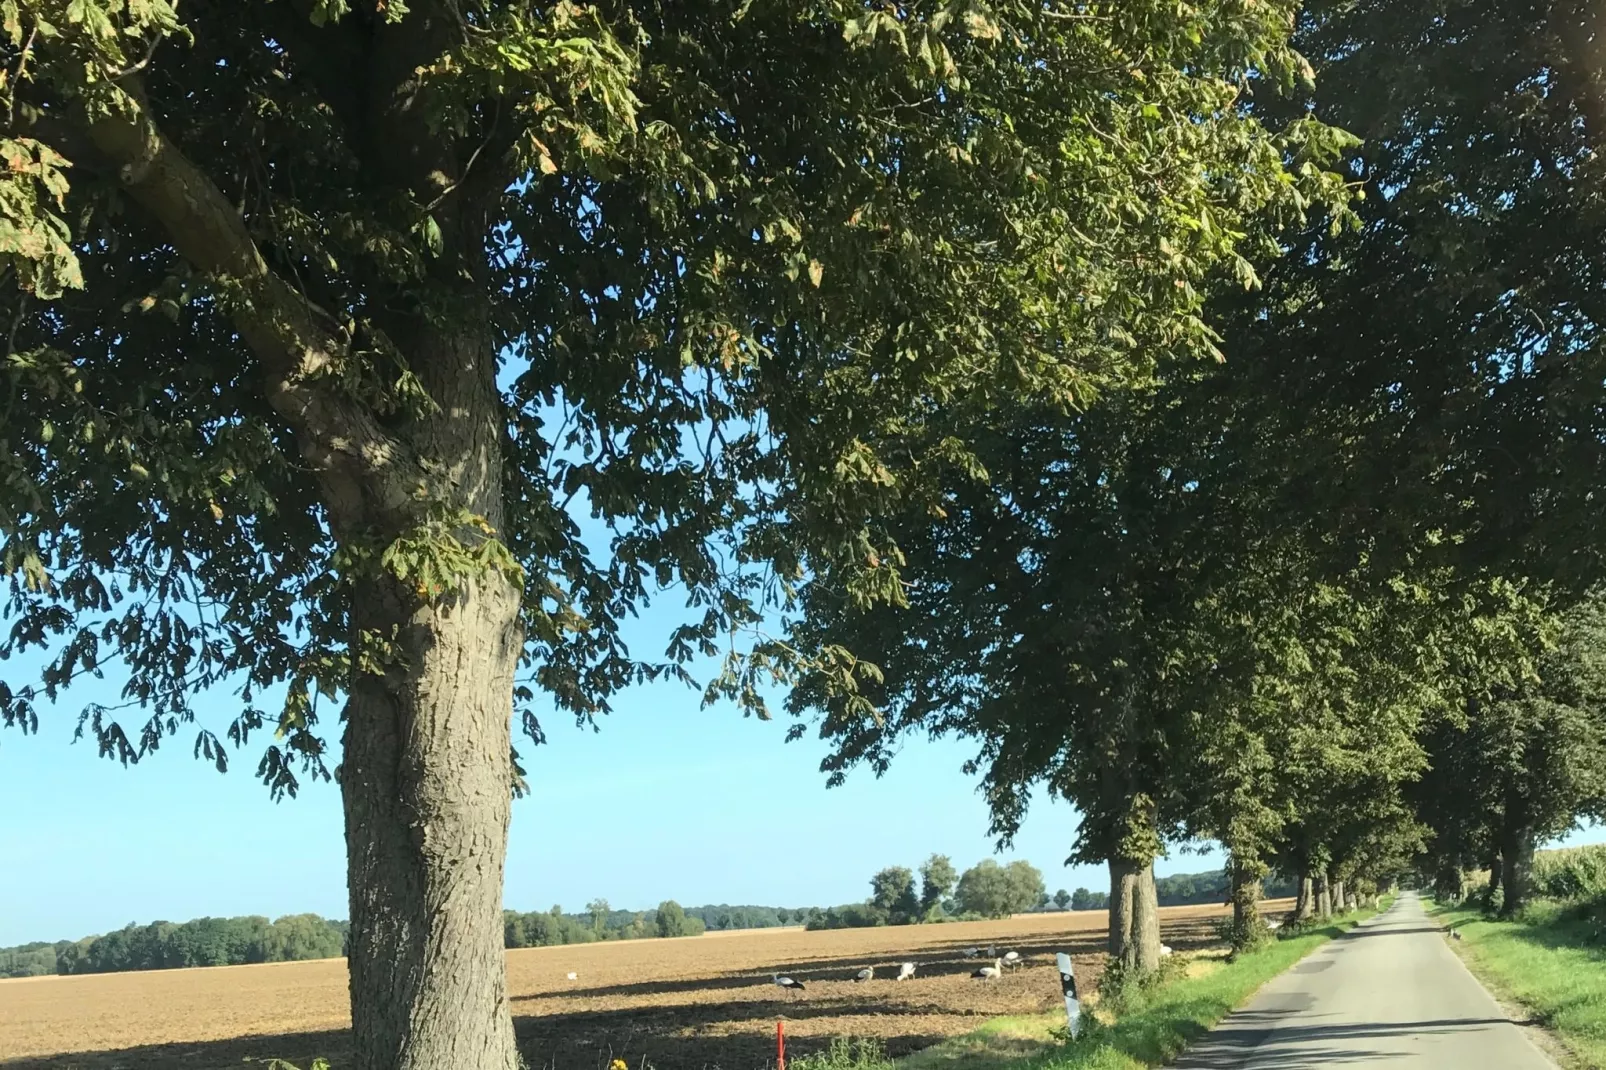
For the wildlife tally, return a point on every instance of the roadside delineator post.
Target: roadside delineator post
(1073, 1006)
(780, 1046)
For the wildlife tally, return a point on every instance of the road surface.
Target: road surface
(1388, 994)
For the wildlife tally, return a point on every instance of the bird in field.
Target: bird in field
(992, 951)
(1011, 959)
(865, 974)
(906, 971)
(1274, 925)
(786, 982)
(990, 973)
(1455, 934)
(574, 977)
(972, 952)
(1164, 951)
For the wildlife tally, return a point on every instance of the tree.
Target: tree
(599, 911)
(671, 919)
(783, 915)
(937, 877)
(310, 400)
(1062, 898)
(999, 891)
(892, 891)
(1524, 763)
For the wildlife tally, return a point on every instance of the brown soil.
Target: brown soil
(696, 1004)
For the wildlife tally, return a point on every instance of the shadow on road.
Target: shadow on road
(1257, 1036)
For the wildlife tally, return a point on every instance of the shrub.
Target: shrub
(844, 1054)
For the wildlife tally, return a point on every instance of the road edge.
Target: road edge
(1525, 1018)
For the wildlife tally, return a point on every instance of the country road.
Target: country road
(1390, 993)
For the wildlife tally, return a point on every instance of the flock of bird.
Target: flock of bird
(1009, 960)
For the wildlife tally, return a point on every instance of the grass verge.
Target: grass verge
(1550, 961)
(1156, 1028)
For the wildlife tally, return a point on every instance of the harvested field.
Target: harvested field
(695, 1004)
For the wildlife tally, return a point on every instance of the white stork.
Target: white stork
(574, 976)
(906, 971)
(786, 982)
(990, 973)
(1012, 959)
(1164, 951)
(865, 974)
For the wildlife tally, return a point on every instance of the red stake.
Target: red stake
(780, 1046)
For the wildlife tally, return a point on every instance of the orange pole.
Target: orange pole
(780, 1046)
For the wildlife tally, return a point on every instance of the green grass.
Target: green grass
(1550, 961)
(1155, 1029)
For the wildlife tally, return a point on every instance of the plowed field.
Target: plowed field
(704, 1003)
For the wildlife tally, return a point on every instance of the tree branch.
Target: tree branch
(298, 343)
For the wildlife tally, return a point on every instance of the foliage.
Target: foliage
(1082, 899)
(846, 1053)
(937, 877)
(892, 891)
(165, 945)
(848, 916)
(1526, 762)
(995, 891)
(1064, 899)
(671, 920)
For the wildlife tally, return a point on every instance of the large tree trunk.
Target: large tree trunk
(427, 774)
(1517, 852)
(1305, 904)
(1340, 904)
(1146, 920)
(1123, 886)
(427, 787)
(1324, 897)
(1245, 896)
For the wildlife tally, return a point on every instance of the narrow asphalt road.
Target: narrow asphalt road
(1389, 993)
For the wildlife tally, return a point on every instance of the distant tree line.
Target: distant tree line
(601, 922)
(1181, 889)
(165, 945)
(985, 890)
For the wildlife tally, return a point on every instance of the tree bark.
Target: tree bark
(1517, 852)
(1305, 904)
(1123, 885)
(1324, 898)
(1245, 897)
(427, 787)
(1339, 904)
(1146, 920)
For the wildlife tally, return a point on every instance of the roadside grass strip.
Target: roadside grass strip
(1551, 961)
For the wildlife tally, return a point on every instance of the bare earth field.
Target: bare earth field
(697, 1004)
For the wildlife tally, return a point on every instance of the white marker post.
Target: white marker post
(1073, 1006)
